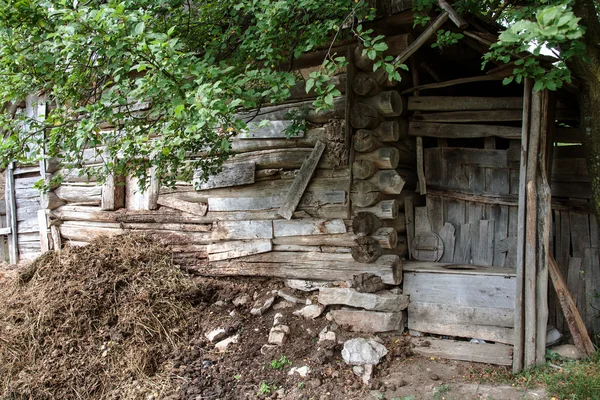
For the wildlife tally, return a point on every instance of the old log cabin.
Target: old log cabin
(448, 184)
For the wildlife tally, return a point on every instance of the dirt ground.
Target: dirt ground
(250, 370)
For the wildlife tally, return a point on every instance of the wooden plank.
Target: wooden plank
(43, 230)
(422, 182)
(454, 314)
(79, 194)
(463, 103)
(410, 223)
(469, 116)
(461, 290)
(275, 201)
(4, 231)
(435, 212)
(500, 216)
(457, 269)
(462, 251)
(274, 129)
(485, 158)
(498, 354)
(422, 224)
(462, 131)
(591, 260)
(230, 230)
(237, 248)
(306, 265)
(496, 334)
(112, 193)
(301, 182)
(422, 39)
(448, 238)
(231, 175)
(303, 227)
(576, 326)
(483, 253)
(11, 214)
(580, 239)
(186, 206)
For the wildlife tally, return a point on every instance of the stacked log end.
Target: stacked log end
(383, 166)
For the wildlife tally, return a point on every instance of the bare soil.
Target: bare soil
(117, 320)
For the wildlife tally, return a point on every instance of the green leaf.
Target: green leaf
(309, 84)
(139, 28)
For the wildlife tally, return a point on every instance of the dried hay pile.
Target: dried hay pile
(95, 322)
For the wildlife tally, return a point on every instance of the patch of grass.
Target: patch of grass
(440, 392)
(281, 363)
(411, 397)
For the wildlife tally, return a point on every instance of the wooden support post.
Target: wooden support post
(2, 234)
(422, 39)
(11, 215)
(519, 306)
(43, 225)
(349, 130)
(113, 193)
(154, 189)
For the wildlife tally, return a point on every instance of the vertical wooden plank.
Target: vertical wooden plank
(153, 190)
(113, 193)
(410, 223)
(519, 341)
(56, 239)
(43, 223)
(574, 271)
(435, 211)
(447, 234)
(475, 178)
(11, 214)
(591, 289)
(483, 253)
(462, 249)
(422, 223)
(580, 239)
(499, 214)
(474, 215)
(422, 184)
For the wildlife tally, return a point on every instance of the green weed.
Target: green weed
(281, 363)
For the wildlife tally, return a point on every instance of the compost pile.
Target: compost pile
(93, 322)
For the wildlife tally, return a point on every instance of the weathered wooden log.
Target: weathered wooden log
(308, 140)
(363, 169)
(95, 214)
(50, 201)
(366, 250)
(77, 194)
(370, 83)
(238, 248)
(388, 181)
(237, 174)
(386, 237)
(398, 224)
(113, 193)
(365, 116)
(364, 194)
(396, 45)
(305, 265)
(186, 206)
(278, 158)
(382, 158)
(389, 131)
(463, 103)
(385, 209)
(87, 233)
(365, 223)
(242, 230)
(388, 103)
(75, 175)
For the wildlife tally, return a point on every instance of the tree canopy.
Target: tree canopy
(198, 64)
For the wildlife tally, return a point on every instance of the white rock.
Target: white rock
(302, 371)
(268, 348)
(216, 335)
(362, 351)
(364, 371)
(287, 294)
(306, 286)
(281, 305)
(312, 311)
(241, 300)
(381, 301)
(553, 336)
(278, 335)
(232, 313)
(568, 351)
(277, 319)
(327, 335)
(369, 321)
(223, 344)
(261, 306)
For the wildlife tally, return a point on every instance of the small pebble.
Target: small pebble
(434, 377)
